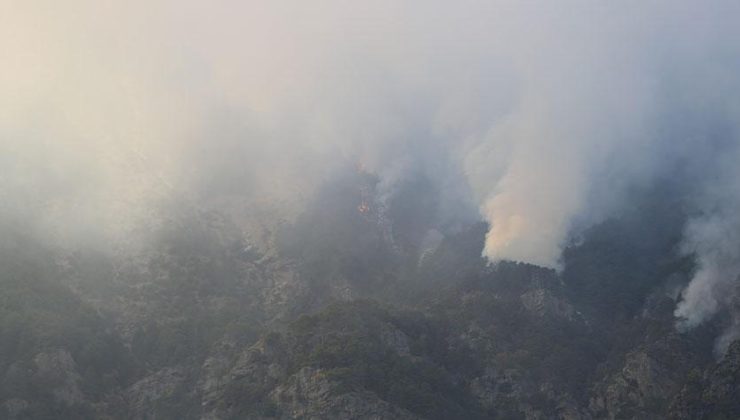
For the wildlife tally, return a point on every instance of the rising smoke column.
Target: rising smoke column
(705, 109)
(713, 238)
(527, 104)
(584, 98)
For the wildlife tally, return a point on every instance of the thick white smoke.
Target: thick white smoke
(713, 236)
(541, 112)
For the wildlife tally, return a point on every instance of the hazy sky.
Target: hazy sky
(530, 114)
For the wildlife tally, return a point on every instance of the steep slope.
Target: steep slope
(348, 312)
(713, 394)
(58, 358)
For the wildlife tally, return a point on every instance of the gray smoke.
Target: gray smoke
(534, 115)
(713, 236)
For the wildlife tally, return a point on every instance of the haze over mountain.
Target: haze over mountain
(384, 209)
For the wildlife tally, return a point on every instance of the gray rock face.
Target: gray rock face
(214, 372)
(230, 378)
(57, 368)
(142, 396)
(281, 292)
(509, 388)
(650, 377)
(309, 394)
(643, 383)
(14, 408)
(542, 303)
(395, 339)
(715, 394)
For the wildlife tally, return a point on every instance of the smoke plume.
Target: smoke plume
(535, 116)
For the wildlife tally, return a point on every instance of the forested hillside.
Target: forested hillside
(333, 316)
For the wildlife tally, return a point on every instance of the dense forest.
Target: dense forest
(350, 311)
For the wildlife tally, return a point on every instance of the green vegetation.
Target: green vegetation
(38, 317)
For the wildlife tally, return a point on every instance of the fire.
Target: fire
(364, 207)
(365, 195)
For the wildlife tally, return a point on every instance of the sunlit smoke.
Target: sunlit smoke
(529, 115)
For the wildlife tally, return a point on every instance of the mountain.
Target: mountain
(361, 307)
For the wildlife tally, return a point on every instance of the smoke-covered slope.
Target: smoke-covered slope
(344, 314)
(369, 209)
